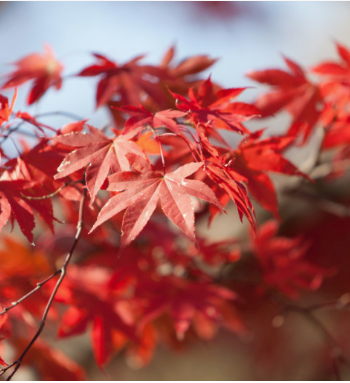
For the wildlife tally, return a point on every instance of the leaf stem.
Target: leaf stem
(161, 151)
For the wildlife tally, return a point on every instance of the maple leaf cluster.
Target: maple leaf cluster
(141, 274)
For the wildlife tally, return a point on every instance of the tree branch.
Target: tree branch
(32, 198)
(63, 272)
(47, 114)
(334, 350)
(38, 287)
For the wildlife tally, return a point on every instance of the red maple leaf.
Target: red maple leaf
(127, 80)
(44, 69)
(188, 67)
(283, 264)
(22, 266)
(38, 166)
(338, 135)
(335, 85)
(76, 126)
(178, 151)
(337, 70)
(141, 193)
(216, 253)
(177, 78)
(181, 75)
(105, 321)
(2, 362)
(90, 302)
(228, 186)
(12, 205)
(231, 188)
(183, 300)
(101, 152)
(148, 143)
(292, 91)
(50, 362)
(5, 109)
(141, 116)
(3, 319)
(216, 109)
(253, 158)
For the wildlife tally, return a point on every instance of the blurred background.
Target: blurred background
(244, 36)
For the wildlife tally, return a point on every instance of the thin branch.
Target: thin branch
(342, 303)
(323, 170)
(51, 194)
(334, 350)
(38, 287)
(321, 202)
(60, 113)
(12, 130)
(63, 272)
(47, 114)
(3, 370)
(27, 134)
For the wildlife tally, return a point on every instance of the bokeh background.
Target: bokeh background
(244, 36)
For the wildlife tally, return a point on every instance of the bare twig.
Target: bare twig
(60, 113)
(63, 272)
(39, 285)
(342, 303)
(323, 170)
(51, 194)
(320, 201)
(334, 350)
(47, 114)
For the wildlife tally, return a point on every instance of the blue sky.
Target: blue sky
(304, 31)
